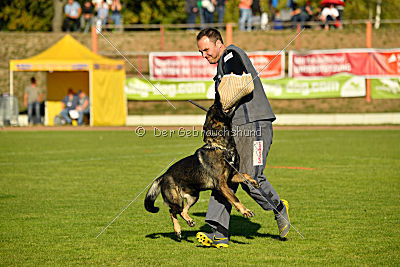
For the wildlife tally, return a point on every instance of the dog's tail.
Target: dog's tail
(152, 194)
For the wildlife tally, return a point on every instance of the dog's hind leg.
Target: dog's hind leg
(172, 197)
(190, 201)
(243, 177)
(177, 227)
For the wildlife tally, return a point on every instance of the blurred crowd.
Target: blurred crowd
(206, 9)
(95, 12)
(328, 14)
(74, 106)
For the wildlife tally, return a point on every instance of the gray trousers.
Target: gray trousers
(252, 161)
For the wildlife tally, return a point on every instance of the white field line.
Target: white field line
(42, 162)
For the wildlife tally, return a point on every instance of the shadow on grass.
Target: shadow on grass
(239, 226)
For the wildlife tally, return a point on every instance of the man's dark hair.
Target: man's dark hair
(212, 34)
(33, 80)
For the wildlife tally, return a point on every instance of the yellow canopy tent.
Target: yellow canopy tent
(69, 64)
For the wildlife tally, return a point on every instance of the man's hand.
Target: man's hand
(309, 11)
(40, 97)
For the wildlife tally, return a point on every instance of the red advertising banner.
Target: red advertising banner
(370, 63)
(275, 69)
(184, 66)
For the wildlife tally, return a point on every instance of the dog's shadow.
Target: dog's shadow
(239, 226)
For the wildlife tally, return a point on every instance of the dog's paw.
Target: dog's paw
(254, 183)
(248, 213)
(179, 235)
(191, 223)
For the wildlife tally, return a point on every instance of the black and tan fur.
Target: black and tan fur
(206, 169)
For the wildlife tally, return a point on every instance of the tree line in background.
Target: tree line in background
(46, 15)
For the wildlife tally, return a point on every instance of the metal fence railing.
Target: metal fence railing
(257, 24)
(8, 110)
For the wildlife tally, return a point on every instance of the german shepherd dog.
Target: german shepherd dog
(206, 169)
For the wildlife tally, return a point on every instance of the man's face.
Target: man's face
(70, 2)
(210, 50)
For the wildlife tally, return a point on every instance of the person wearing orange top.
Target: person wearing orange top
(245, 14)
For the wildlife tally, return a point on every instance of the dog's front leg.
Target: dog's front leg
(226, 191)
(190, 201)
(242, 177)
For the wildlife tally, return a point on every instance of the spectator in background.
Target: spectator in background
(208, 8)
(245, 14)
(296, 11)
(317, 17)
(96, 3)
(201, 13)
(273, 5)
(87, 16)
(83, 106)
(32, 98)
(329, 15)
(256, 12)
(192, 11)
(256, 8)
(69, 102)
(72, 12)
(278, 23)
(102, 13)
(221, 11)
(259, 17)
(307, 13)
(340, 8)
(116, 13)
(302, 15)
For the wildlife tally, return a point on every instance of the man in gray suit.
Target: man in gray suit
(252, 115)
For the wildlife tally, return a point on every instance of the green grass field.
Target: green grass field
(59, 189)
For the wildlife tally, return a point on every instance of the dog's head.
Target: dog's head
(218, 126)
